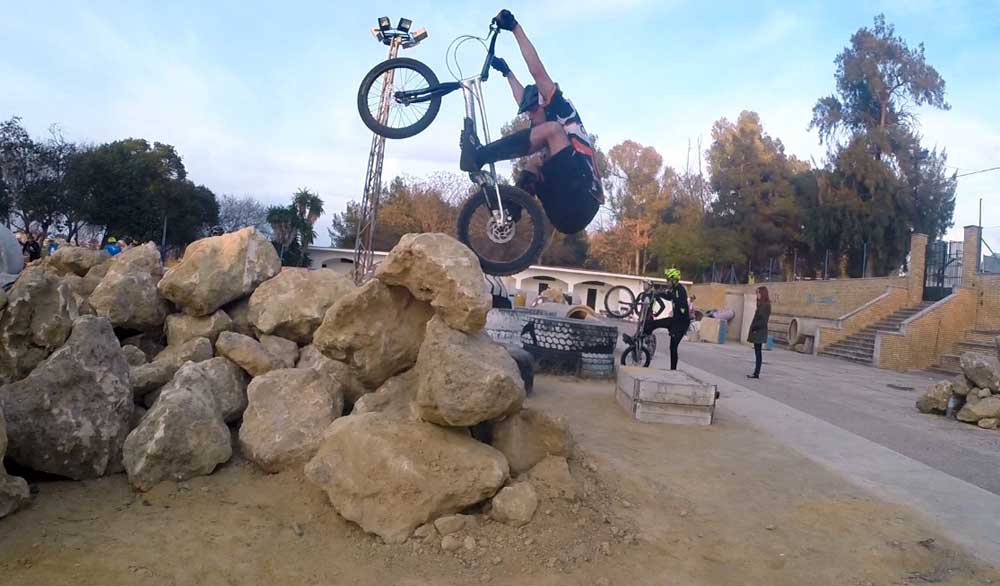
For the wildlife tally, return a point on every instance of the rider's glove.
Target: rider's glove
(500, 65)
(505, 20)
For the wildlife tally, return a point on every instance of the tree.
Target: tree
(344, 226)
(880, 183)
(292, 227)
(567, 250)
(755, 197)
(241, 212)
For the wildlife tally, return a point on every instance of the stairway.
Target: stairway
(978, 341)
(860, 346)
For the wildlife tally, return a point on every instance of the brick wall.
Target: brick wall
(918, 268)
(711, 295)
(830, 299)
(987, 288)
(892, 299)
(929, 334)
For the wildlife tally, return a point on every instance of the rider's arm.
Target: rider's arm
(545, 85)
(515, 87)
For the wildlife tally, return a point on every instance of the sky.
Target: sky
(260, 97)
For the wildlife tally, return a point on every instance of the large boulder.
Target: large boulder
(292, 304)
(134, 356)
(182, 436)
(394, 398)
(93, 278)
(181, 327)
(37, 320)
(443, 271)
(935, 398)
(285, 352)
(289, 409)
(982, 370)
(149, 377)
(71, 414)
(151, 343)
(391, 476)
(986, 408)
(961, 385)
(13, 490)
(76, 259)
(376, 329)
(248, 353)
(226, 382)
(464, 379)
(353, 389)
(220, 269)
(552, 478)
(128, 295)
(528, 436)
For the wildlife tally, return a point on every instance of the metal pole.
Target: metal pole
(163, 239)
(826, 262)
(864, 260)
(795, 262)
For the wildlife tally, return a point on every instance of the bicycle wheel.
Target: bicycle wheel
(633, 356)
(625, 303)
(400, 74)
(508, 248)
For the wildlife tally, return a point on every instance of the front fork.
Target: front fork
(472, 90)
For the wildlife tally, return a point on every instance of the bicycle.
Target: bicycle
(502, 224)
(641, 346)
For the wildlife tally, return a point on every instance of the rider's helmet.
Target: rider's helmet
(112, 240)
(529, 99)
(672, 274)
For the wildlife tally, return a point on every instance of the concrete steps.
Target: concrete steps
(860, 346)
(978, 341)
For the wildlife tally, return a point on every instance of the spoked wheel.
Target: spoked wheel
(619, 301)
(633, 356)
(506, 247)
(389, 77)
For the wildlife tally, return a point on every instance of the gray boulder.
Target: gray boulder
(289, 409)
(442, 271)
(515, 505)
(14, 492)
(375, 329)
(394, 398)
(464, 379)
(76, 260)
(981, 370)
(248, 353)
(128, 295)
(987, 408)
(293, 303)
(285, 352)
(134, 356)
(311, 357)
(935, 398)
(392, 476)
(239, 312)
(37, 320)
(71, 414)
(182, 436)
(220, 269)
(147, 378)
(181, 327)
(528, 436)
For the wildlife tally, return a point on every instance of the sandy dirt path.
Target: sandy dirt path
(660, 505)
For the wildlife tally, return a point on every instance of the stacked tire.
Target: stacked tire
(597, 365)
(571, 346)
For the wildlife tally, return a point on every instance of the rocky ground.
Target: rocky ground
(656, 505)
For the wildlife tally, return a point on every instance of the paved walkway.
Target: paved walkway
(848, 417)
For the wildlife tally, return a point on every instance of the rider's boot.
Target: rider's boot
(509, 147)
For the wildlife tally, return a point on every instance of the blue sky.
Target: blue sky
(259, 98)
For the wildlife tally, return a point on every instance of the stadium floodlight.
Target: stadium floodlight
(419, 35)
(383, 24)
(404, 25)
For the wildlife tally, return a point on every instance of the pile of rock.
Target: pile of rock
(389, 396)
(973, 396)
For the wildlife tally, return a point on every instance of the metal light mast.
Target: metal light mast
(395, 38)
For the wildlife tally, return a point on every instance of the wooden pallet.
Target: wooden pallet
(664, 396)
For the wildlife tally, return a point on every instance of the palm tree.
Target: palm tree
(284, 223)
(309, 207)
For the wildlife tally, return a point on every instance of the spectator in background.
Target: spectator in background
(31, 249)
(758, 328)
(112, 247)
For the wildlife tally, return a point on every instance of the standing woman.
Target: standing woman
(758, 328)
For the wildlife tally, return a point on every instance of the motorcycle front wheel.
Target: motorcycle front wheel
(508, 247)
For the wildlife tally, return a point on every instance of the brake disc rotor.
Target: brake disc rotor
(500, 233)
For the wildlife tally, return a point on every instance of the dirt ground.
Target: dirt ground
(659, 505)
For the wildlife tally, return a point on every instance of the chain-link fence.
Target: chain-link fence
(806, 266)
(989, 254)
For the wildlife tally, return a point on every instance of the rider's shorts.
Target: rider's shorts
(569, 192)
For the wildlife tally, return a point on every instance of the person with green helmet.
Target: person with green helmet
(680, 319)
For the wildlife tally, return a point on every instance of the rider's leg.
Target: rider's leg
(675, 341)
(513, 146)
(655, 324)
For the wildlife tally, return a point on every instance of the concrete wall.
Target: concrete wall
(928, 334)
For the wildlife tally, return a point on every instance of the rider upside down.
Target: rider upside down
(562, 172)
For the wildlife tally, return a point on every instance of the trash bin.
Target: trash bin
(770, 343)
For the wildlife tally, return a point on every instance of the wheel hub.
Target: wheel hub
(500, 232)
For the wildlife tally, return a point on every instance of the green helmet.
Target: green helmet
(674, 274)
